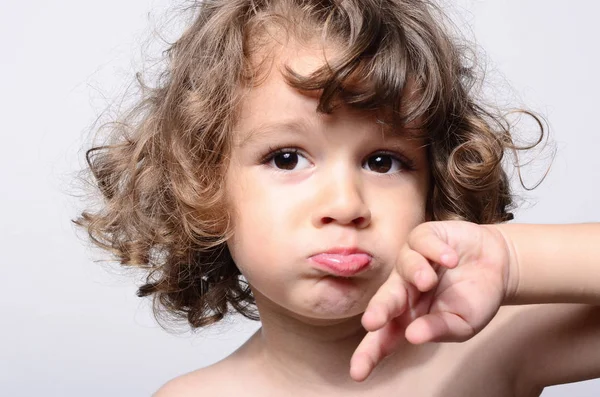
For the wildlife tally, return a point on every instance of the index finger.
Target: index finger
(425, 240)
(374, 347)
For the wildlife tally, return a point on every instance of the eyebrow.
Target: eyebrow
(295, 126)
(299, 126)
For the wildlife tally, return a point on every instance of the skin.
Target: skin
(482, 268)
(332, 198)
(433, 281)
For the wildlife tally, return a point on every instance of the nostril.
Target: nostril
(356, 221)
(359, 221)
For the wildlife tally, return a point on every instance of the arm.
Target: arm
(553, 263)
(454, 276)
(557, 264)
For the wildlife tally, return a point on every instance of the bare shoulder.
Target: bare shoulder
(202, 382)
(234, 375)
(195, 383)
(560, 342)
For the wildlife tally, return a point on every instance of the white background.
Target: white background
(71, 327)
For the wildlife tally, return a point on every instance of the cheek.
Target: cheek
(255, 224)
(264, 204)
(396, 217)
(405, 203)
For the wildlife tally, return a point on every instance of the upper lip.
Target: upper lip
(344, 251)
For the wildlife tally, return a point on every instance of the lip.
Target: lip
(343, 262)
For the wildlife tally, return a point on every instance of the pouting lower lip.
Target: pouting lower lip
(345, 265)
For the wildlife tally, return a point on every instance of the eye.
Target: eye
(287, 160)
(384, 163)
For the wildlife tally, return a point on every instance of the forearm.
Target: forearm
(553, 263)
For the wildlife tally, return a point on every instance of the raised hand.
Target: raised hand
(449, 282)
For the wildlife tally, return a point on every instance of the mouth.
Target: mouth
(342, 262)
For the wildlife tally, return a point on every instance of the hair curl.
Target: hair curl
(161, 173)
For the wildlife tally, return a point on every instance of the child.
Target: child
(326, 163)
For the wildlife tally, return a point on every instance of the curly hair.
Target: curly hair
(161, 175)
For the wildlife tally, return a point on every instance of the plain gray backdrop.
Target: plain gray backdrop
(72, 327)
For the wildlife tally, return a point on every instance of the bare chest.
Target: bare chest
(453, 382)
(455, 370)
(490, 365)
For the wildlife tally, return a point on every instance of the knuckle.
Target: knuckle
(413, 261)
(396, 300)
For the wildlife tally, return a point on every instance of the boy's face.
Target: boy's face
(308, 189)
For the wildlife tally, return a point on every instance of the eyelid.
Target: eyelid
(275, 150)
(408, 164)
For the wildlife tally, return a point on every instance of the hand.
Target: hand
(449, 282)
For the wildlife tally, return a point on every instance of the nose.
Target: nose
(340, 199)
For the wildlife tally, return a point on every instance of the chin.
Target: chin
(328, 319)
(318, 301)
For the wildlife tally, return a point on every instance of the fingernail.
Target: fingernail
(446, 259)
(358, 369)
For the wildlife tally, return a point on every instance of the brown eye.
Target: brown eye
(383, 163)
(288, 160)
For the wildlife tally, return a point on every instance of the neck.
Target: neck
(320, 353)
(315, 352)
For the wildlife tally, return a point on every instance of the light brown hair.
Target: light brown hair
(161, 174)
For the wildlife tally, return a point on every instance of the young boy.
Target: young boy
(308, 146)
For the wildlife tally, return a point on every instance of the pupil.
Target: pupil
(380, 163)
(286, 161)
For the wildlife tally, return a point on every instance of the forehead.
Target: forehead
(270, 103)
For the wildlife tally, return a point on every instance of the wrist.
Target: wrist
(511, 267)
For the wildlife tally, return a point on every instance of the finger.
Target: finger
(374, 347)
(426, 240)
(417, 270)
(439, 327)
(388, 302)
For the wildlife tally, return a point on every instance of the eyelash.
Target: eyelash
(275, 151)
(406, 163)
